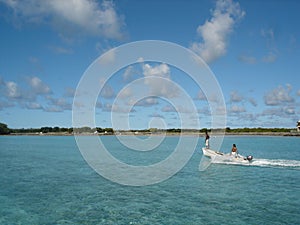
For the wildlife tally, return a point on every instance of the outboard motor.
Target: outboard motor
(249, 157)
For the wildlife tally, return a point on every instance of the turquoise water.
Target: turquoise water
(45, 180)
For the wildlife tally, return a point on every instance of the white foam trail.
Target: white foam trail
(276, 163)
(283, 163)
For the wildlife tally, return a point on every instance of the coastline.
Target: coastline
(128, 133)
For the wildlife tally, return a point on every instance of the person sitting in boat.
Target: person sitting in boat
(206, 140)
(234, 150)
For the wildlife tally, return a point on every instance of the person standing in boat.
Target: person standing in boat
(234, 150)
(206, 140)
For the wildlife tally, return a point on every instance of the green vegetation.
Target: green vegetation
(256, 130)
(56, 130)
(4, 130)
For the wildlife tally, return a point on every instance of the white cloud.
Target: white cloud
(235, 97)
(216, 31)
(168, 108)
(159, 87)
(278, 96)
(140, 60)
(128, 74)
(161, 70)
(108, 57)
(125, 93)
(38, 87)
(252, 101)
(298, 92)
(211, 98)
(150, 101)
(237, 109)
(271, 57)
(69, 92)
(61, 50)
(59, 104)
(178, 109)
(68, 17)
(107, 91)
(32, 96)
(12, 90)
(33, 105)
(281, 112)
(247, 59)
(108, 107)
(269, 35)
(53, 109)
(289, 110)
(200, 95)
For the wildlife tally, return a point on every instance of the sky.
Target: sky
(251, 47)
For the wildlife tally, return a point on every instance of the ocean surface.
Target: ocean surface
(45, 180)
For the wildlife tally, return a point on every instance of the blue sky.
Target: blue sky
(252, 47)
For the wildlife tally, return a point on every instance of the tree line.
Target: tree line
(4, 129)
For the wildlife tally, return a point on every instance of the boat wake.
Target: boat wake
(277, 163)
(281, 163)
(211, 156)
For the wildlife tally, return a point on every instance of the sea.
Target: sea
(46, 180)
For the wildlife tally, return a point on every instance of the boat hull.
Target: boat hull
(219, 157)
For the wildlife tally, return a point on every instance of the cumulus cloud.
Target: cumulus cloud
(235, 97)
(12, 90)
(68, 17)
(33, 105)
(290, 110)
(159, 87)
(129, 74)
(38, 87)
(237, 109)
(168, 108)
(107, 91)
(215, 32)
(282, 112)
(125, 93)
(200, 96)
(34, 95)
(161, 70)
(69, 92)
(53, 109)
(108, 107)
(60, 104)
(146, 102)
(252, 101)
(108, 57)
(279, 95)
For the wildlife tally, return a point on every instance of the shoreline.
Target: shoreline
(282, 134)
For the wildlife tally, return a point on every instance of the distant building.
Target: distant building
(298, 126)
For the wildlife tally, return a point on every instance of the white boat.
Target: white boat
(220, 157)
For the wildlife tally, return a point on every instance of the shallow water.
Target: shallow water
(45, 180)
